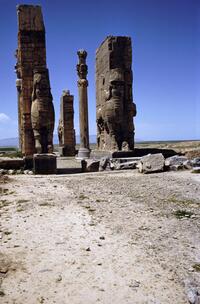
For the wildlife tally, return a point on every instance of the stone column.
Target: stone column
(84, 150)
(19, 90)
(66, 132)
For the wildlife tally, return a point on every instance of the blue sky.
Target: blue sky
(166, 59)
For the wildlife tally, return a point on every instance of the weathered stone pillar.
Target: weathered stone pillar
(84, 150)
(115, 108)
(31, 54)
(19, 91)
(66, 132)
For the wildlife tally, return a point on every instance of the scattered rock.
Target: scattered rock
(104, 162)
(187, 164)
(196, 162)
(176, 167)
(134, 284)
(90, 165)
(11, 171)
(175, 162)
(3, 171)
(59, 278)
(125, 165)
(193, 296)
(93, 166)
(151, 163)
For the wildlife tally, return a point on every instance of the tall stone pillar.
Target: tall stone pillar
(115, 108)
(31, 54)
(84, 150)
(66, 132)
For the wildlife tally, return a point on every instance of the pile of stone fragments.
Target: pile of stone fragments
(147, 164)
(13, 171)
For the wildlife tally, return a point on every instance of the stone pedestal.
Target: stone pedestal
(84, 151)
(44, 164)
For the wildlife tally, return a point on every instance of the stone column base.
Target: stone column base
(44, 164)
(83, 153)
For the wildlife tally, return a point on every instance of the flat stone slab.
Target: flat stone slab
(111, 154)
(11, 163)
(44, 163)
(137, 152)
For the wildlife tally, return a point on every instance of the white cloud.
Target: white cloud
(4, 118)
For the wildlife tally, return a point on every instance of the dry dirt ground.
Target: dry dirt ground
(111, 237)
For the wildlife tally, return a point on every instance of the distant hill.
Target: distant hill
(14, 142)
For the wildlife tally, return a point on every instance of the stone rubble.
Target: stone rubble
(151, 163)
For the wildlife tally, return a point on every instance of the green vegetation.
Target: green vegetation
(82, 196)
(2, 293)
(4, 203)
(186, 202)
(179, 214)
(22, 201)
(11, 152)
(7, 232)
(196, 267)
(6, 149)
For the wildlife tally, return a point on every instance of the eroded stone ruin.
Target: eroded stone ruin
(114, 101)
(42, 112)
(32, 78)
(66, 132)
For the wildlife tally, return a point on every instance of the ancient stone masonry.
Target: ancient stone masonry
(114, 108)
(42, 111)
(31, 55)
(82, 70)
(66, 132)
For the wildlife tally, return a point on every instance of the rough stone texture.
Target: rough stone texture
(196, 162)
(66, 131)
(125, 165)
(11, 163)
(82, 70)
(44, 164)
(151, 163)
(175, 160)
(114, 108)
(42, 112)
(104, 162)
(90, 165)
(31, 54)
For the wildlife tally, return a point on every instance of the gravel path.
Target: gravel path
(110, 237)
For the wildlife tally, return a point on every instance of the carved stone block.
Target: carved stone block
(31, 55)
(114, 108)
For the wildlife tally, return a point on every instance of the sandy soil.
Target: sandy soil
(110, 237)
